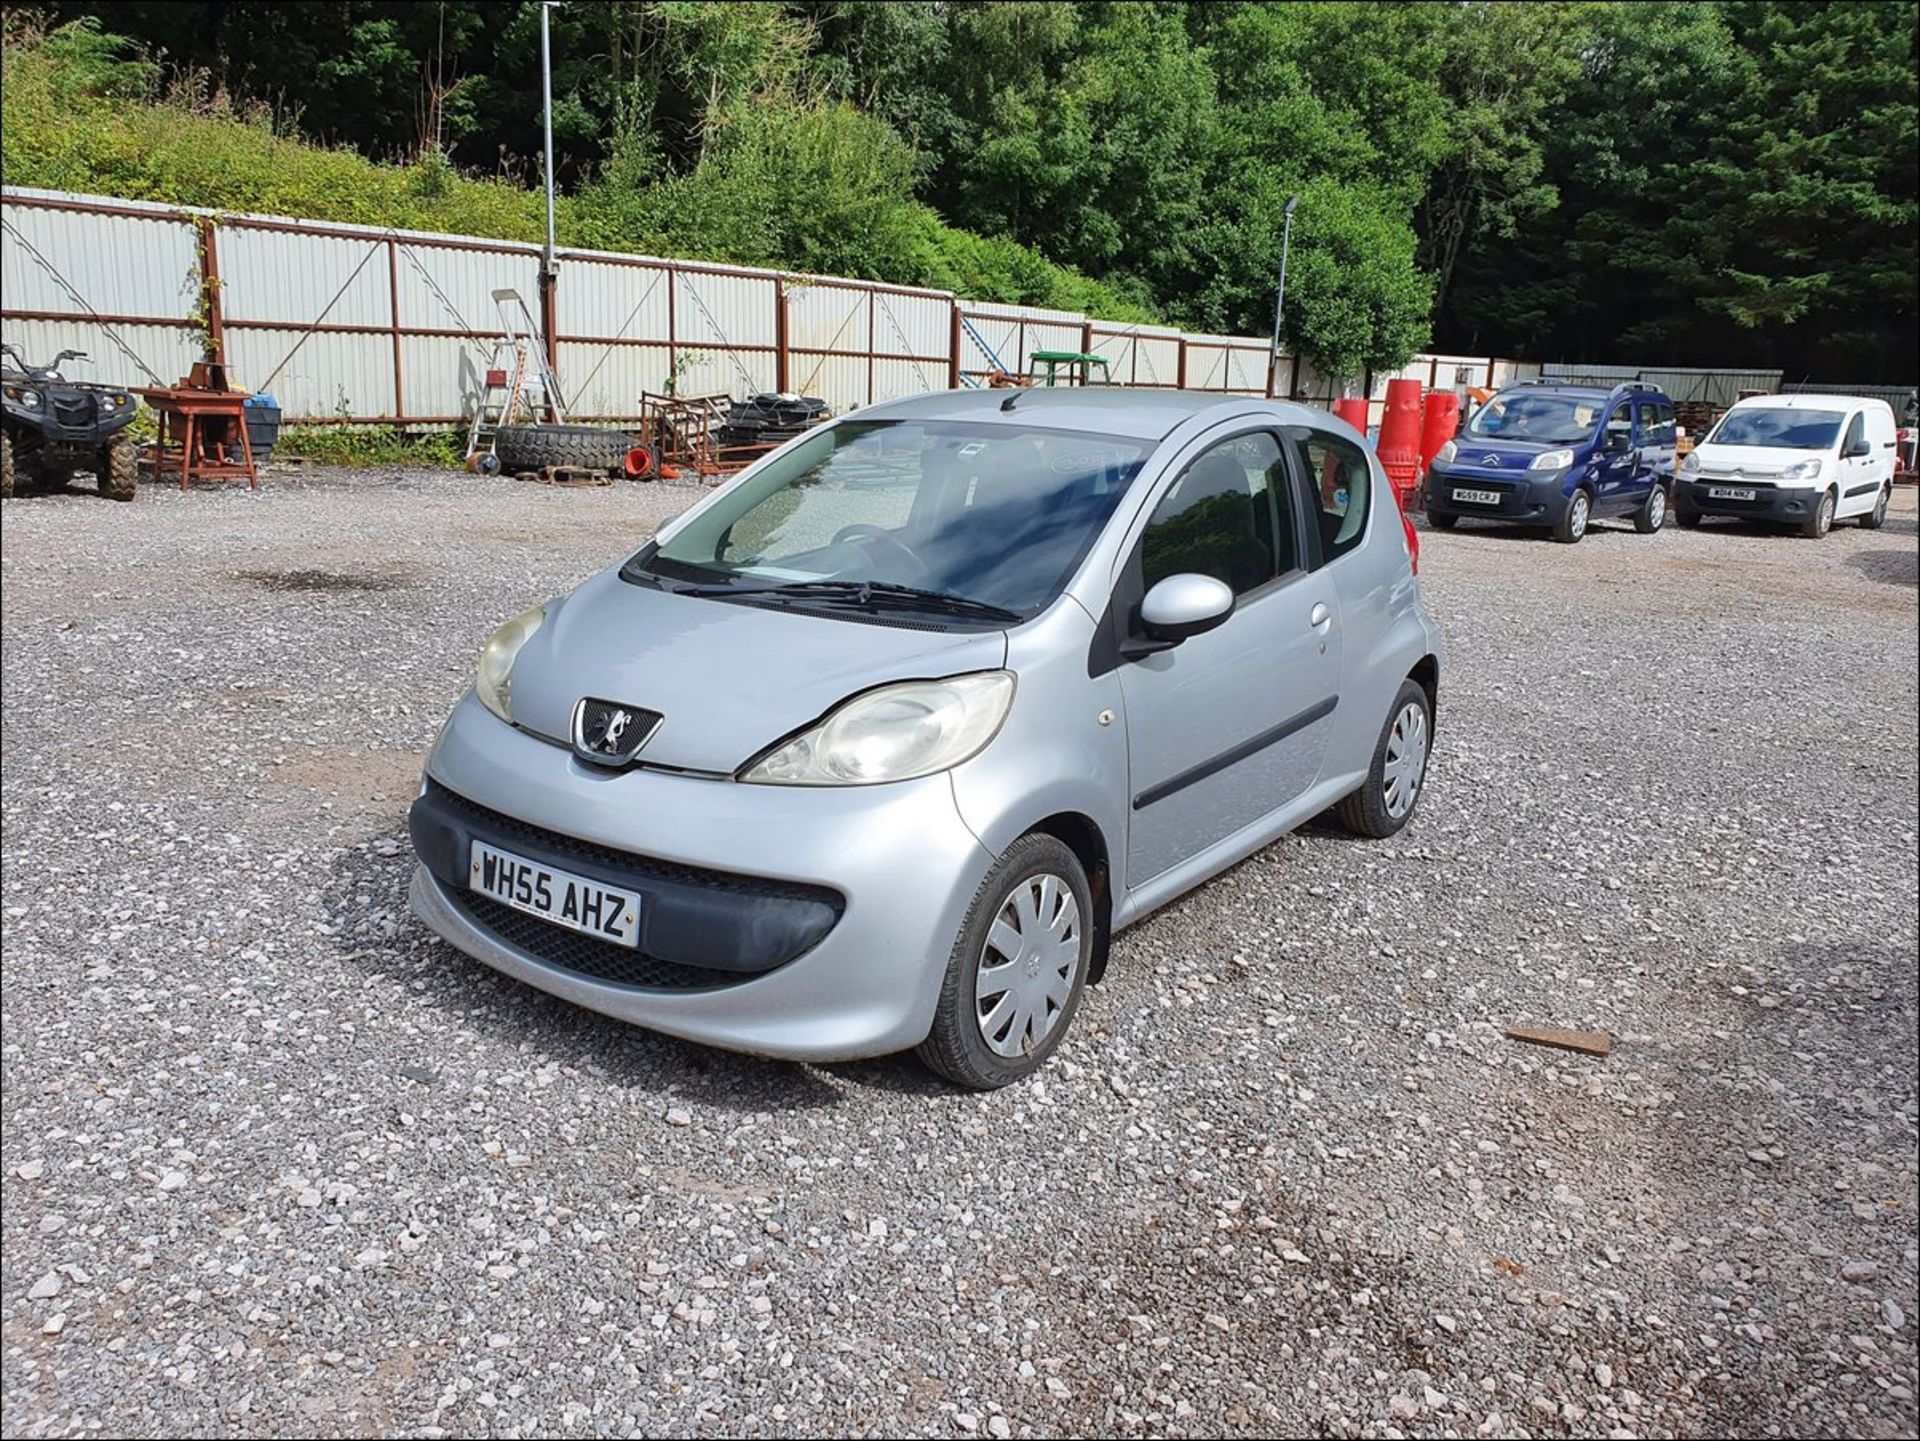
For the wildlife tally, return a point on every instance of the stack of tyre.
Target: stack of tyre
(770, 419)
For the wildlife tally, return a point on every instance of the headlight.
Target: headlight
(1692, 462)
(493, 681)
(893, 734)
(1552, 460)
(1445, 454)
(1805, 470)
(29, 398)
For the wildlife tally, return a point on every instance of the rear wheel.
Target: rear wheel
(1017, 969)
(1877, 517)
(1385, 801)
(1573, 524)
(1440, 520)
(1821, 521)
(1652, 513)
(116, 469)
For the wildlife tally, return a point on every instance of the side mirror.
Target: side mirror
(1618, 442)
(1183, 606)
(1859, 448)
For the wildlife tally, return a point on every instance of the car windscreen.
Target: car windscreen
(995, 516)
(1538, 416)
(1778, 428)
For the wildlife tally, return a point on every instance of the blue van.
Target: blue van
(1554, 454)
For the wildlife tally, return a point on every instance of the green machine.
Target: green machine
(1067, 367)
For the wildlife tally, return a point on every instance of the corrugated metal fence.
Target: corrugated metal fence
(351, 323)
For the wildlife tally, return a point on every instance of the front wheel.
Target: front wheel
(1652, 513)
(1821, 521)
(1573, 524)
(1877, 517)
(1017, 969)
(1385, 801)
(116, 471)
(1441, 520)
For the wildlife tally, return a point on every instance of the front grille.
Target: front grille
(585, 955)
(504, 829)
(73, 412)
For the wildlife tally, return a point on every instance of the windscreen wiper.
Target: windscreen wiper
(865, 592)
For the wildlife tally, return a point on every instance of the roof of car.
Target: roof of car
(1138, 413)
(1805, 402)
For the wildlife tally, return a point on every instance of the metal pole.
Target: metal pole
(1280, 296)
(546, 98)
(549, 309)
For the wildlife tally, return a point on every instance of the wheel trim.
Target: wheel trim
(1825, 520)
(1406, 763)
(1657, 507)
(1027, 966)
(1577, 521)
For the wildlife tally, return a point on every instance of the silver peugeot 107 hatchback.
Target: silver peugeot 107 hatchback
(878, 745)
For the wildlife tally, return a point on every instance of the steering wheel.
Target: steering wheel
(862, 533)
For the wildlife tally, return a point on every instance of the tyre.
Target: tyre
(1017, 970)
(116, 470)
(1440, 520)
(6, 466)
(1685, 516)
(1821, 521)
(1386, 799)
(1573, 524)
(1652, 513)
(533, 447)
(1877, 517)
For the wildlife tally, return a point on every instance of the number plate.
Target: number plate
(1478, 497)
(604, 912)
(1728, 492)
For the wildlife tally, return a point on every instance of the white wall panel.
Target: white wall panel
(442, 288)
(117, 265)
(596, 298)
(919, 325)
(717, 311)
(828, 317)
(303, 279)
(167, 350)
(319, 374)
(603, 380)
(840, 380)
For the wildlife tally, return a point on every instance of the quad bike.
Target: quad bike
(54, 426)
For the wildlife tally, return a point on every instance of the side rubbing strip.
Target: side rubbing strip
(1173, 785)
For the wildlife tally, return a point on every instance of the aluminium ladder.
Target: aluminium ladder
(517, 378)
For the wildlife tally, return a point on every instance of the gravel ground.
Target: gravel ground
(278, 1163)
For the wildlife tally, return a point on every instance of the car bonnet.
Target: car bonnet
(728, 678)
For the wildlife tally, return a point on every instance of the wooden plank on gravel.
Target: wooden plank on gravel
(1587, 1043)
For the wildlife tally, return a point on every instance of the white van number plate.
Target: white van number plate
(565, 899)
(1478, 497)
(1728, 492)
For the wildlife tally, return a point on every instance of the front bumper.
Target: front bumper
(1526, 498)
(809, 923)
(1788, 505)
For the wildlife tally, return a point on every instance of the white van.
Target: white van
(1805, 460)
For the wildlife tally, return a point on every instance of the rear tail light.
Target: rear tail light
(1413, 540)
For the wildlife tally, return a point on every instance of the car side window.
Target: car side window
(1656, 422)
(1342, 485)
(1619, 424)
(1227, 516)
(1856, 432)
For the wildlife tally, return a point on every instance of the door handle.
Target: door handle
(1320, 617)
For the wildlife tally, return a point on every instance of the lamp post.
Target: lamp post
(549, 311)
(1280, 296)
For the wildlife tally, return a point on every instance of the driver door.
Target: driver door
(1614, 483)
(1227, 726)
